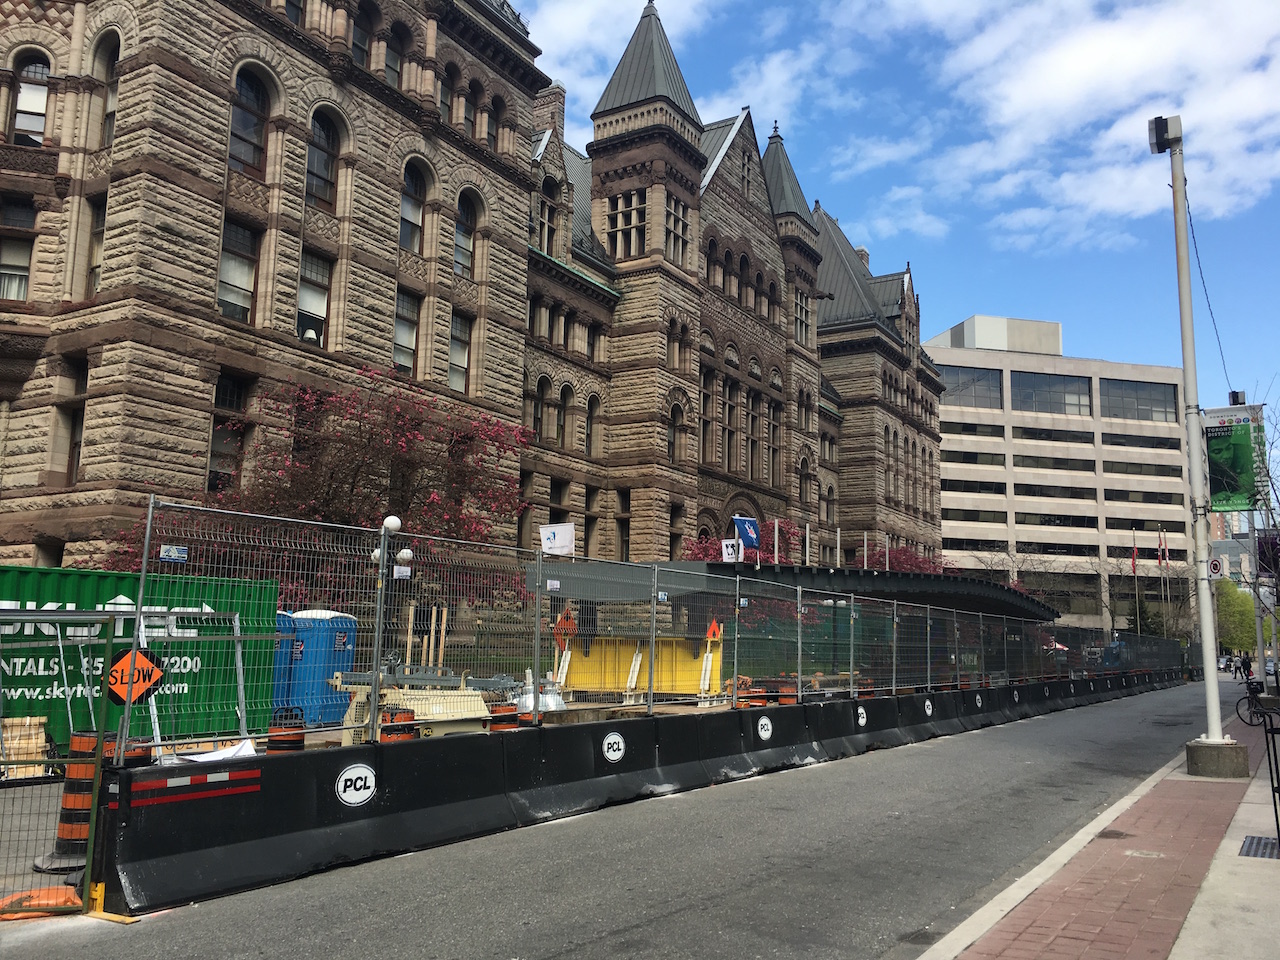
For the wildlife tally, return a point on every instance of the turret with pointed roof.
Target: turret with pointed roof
(647, 76)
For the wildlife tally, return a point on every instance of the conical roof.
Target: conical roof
(647, 71)
(784, 186)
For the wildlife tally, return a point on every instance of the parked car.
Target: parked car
(1271, 667)
(1224, 663)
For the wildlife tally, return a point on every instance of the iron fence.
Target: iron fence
(286, 632)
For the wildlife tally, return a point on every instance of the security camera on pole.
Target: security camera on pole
(1211, 755)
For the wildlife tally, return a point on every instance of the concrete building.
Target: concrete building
(1065, 474)
(200, 202)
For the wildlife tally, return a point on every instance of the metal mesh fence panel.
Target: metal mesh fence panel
(51, 674)
(269, 629)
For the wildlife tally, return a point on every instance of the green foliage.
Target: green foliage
(1236, 629)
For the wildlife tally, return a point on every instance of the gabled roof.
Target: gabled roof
(540, 141)
(648, 71)
(843, 275)
(888, 291)
(784, 186)
(716, 140)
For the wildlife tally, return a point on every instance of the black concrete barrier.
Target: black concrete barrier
(723, 747)
(875, 722)
(680, 766)
(175, 834)
(977, 708)
(778, 738)
(566, 769)
(833, 725)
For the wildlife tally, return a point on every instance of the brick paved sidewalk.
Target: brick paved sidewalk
(1127, 894)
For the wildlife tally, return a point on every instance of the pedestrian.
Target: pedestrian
(1246, 667)
(1235, 668)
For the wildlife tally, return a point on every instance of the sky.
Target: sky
(1000, 148)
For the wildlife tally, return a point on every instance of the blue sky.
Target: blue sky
(1000, 146)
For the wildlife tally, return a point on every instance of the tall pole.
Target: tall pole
(390, 525)
(1137, 600)
(1255, 589)
(1166, 134)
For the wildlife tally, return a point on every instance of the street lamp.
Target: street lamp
(1165, 135)
(391, 525)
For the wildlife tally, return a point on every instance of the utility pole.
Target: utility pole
(1165, 135)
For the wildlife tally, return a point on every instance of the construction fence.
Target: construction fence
(244, 634)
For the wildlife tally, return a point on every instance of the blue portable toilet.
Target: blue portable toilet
(325, 644)
(282, 674)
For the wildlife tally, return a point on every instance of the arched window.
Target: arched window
(249, 111)
(413, 198)
(361, 38)
(448, 80)
(831, 505)
(322, 163)
(32, 101)
(464, 237)
(708, 415)
(806, 481)
(593, 415)
(726, 277)
(105, 69)
(773, 304)
(497, 113)
(712, 254)
(745, 293)
(675, 430)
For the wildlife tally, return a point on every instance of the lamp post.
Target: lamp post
(390, 526)
(1165, 135)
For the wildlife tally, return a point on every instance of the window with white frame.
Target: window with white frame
(460, 329)
(238, 271)
(313, 298)
(626, 225)
(677, 231)
(404, 350)
(17, 242)
(32, 102)
(802, 317)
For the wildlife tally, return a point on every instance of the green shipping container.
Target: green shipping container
(56, 672)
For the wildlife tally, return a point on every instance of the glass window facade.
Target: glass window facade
(1135, 400)
(972, 387)
(1050, 393)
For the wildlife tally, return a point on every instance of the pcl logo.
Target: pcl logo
(764, 727)
(928, 708)
(614, 747)
(356, 785)
(1015, 696)
(862, 716)
(977, 699)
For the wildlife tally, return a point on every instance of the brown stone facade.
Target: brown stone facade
(246, 194)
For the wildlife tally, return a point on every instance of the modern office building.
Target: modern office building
(1066, 475)
(202, 202)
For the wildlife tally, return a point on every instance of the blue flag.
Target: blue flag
(748, 531)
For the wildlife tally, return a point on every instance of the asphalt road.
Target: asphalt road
(873, 857)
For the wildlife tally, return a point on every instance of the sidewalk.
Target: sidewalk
(1159, 875)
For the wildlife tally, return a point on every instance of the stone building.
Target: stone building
(199, 202)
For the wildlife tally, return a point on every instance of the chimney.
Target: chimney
(548, 109)
(864, 255)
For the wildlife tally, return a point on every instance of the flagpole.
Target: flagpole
(1137, 620)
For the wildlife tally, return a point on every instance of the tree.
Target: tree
(901, 560)
(353, 457)
(1236, 630)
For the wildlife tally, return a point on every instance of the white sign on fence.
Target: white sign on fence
(729, 551)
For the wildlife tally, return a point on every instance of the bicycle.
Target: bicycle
(1249, 708)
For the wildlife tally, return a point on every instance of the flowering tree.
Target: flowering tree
(353, 457)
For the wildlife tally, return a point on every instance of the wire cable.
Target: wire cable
(1204, 286)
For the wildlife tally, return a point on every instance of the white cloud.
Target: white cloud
(1015, 106)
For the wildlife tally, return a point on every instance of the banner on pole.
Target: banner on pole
(1236, 450)
(557, 539)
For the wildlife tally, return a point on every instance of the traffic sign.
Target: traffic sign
(145, 672)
